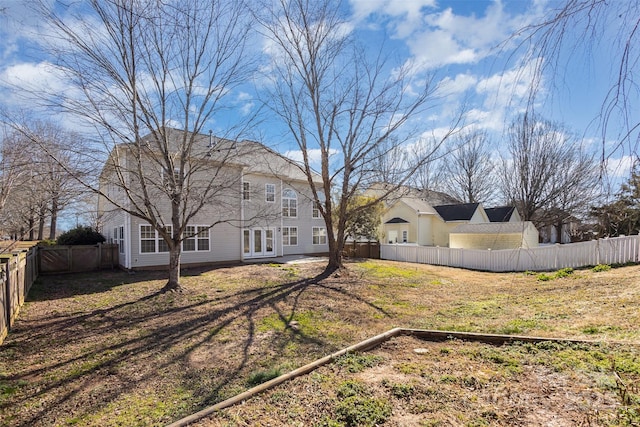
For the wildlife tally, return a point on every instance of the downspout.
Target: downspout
(418, 229)
(281, 222)
(242, 214)
(128, 239)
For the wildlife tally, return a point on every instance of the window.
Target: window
(319, 236)
(290, 236)
(189, 239)
(203, 238)
(289, 203)
(405, 234)
(195, 238)
(270, 192)
(147, 239)
(119, 236)
(315, 213)
(151, 241)
(166, 179)
(246, 191)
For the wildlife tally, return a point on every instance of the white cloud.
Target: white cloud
(438, 37)
(246, 108)
(314, 154)
(458, 84)
(407, 14)
(619, 167)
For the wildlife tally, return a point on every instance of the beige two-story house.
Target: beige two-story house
(259, 205)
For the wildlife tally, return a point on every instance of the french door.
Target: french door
(258, 242)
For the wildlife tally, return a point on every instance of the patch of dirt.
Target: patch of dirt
(454, 383)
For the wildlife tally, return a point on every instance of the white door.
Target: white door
(393, 236)
(258, 242)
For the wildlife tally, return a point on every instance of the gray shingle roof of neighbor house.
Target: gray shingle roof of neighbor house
(493, 228)
(397, 220)
(500, 214)
(458, 212)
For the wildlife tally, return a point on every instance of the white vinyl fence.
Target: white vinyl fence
(617, 250)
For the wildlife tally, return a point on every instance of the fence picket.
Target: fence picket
(616, 250)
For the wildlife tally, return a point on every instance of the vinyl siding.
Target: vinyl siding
(226, 241)
(304, 221)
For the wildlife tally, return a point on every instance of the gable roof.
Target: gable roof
(252, 156)
(417, 205)
(494, 228)
(397, 220)
(458, 212)
(500, 214)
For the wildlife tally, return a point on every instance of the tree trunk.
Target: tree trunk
(173, 284)
(41, 218)
(41, 227)
(336, 245)
(32, 226)
(54, 219)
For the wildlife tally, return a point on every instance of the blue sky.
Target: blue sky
(461, 41)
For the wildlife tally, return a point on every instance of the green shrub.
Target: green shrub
(601, 267)
(564, 272)
(81, 235)
(354, 362)
(260, 377)
(542, 277)
(351, 388)
(363, 411)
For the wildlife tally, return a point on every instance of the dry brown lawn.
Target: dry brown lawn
(109, 349)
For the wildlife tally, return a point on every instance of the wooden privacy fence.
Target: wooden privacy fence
(617, 250)
(362, 250)
(18, 271)
(76, 259)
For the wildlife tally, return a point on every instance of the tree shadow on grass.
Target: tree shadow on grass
(57, 286)
(86, 363)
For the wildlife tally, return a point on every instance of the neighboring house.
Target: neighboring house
(503, 214)
(494, 235)
(265, 209)
(411, 218)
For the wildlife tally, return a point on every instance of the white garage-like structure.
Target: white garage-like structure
(494, 235)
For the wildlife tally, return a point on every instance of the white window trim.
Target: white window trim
(267, 193)
(120, 239)
(288, 199)
(313, 235)
(287, 242)
(156, 239)
(246, 192)
(165, 178)
(197, 238)
(315, 211)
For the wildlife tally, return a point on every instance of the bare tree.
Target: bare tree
(354, 108)
(547, 172)
(148, 77)
(430, 174)
(12, 164)
(470, 168)
(47, 180)
(612, 29)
